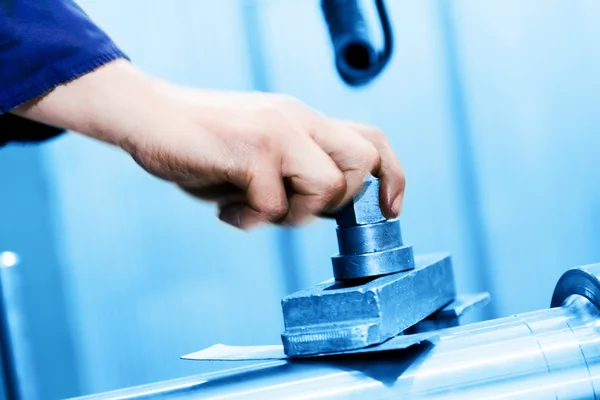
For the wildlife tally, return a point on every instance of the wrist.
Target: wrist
(124, 102)
(107, 103)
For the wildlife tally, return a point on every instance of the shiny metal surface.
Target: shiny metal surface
(369, 244)
(451, 315)
(363, 209)
(329, 317)
(17, 376)
(547, 354)
(377, 292)
(359, 266)
(221, 352)
(463, 304)
(369, 238)
(9, 377)
(580, 280)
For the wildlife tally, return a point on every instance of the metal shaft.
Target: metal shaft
(547, 354)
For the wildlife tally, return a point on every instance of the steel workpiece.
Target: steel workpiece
(380, 287)
(388, 256)
(547, 354)
(328, 318)
(363, 209)
(369, 244)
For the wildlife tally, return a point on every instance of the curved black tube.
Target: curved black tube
(357, 59)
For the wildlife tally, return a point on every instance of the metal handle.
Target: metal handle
(357, 59)
(369, 244)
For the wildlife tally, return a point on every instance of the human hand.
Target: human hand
(262, 158)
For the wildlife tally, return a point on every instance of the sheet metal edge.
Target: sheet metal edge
(221, 352)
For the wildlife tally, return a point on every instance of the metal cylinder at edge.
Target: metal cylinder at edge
(547, 354)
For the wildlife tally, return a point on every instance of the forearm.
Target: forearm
(106, 103)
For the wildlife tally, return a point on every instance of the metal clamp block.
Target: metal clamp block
(334, 316)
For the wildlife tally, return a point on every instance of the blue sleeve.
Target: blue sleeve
(44, 43)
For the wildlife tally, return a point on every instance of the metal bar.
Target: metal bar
(10, 378)
(547, 354)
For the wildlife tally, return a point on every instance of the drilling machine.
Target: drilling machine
(388, 324)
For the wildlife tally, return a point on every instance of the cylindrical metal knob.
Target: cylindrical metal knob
(369, 244)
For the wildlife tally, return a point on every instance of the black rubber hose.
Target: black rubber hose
(357, 59)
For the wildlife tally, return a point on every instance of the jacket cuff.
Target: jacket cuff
(17, 129)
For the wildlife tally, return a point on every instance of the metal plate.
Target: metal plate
(463, 304)
(221, 352)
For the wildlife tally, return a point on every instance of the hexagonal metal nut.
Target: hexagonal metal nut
(363, 209)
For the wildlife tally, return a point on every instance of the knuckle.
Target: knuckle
(286, 113)
(271, 112)
(372, 157)
(272, 108)
(362, 157)
(274, 210)
(376, 135)
(300, 110)
(337, 181)
(334, 184)
(262, 143)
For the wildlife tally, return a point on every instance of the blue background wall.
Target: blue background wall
(492, 107)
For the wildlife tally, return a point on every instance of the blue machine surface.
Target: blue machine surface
(491, 106)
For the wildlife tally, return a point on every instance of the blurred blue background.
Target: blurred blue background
(492, 107)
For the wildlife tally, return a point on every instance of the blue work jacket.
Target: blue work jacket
(44, 43)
